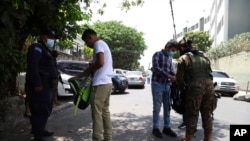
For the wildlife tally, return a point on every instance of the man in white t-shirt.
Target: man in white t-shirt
(102, 69)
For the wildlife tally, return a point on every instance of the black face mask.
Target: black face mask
(182, 52)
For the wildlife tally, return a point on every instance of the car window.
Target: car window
(72, 68)
(219, 74)
(133, 73)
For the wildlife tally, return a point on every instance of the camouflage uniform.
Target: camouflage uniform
(195, 71)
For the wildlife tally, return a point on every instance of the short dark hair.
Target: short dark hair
(172, 44)
(88, 32)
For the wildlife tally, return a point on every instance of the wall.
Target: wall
(237, 66)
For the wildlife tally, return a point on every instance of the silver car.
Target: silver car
(135, 78)
(225, 84)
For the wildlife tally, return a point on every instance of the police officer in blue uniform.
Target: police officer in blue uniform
(41, 72)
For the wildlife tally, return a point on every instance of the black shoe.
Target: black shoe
(169, 132)
(39, 138)
(182, 126)
(157, 133)
(47, 133)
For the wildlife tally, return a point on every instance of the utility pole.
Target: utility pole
(172, 12)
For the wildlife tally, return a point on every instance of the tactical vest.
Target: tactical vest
(199, 68)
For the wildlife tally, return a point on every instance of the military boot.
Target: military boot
(188, 137)
(208, 138)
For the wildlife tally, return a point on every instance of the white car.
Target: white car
(225, 84)
(68, 69)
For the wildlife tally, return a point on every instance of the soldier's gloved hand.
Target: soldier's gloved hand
(180, 86)
(38, 89)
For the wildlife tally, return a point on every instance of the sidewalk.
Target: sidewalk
(126, 127)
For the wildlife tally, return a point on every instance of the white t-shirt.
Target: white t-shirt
(103, 74)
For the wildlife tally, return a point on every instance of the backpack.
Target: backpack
(177, 99)
(81, 89)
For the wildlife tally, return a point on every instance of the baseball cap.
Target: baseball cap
(49, 32)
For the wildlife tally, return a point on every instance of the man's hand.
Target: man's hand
(172, 77)
(72, 78)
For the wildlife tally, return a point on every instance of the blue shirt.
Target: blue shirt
(161, 67)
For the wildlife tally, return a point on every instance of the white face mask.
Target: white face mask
(50, 43)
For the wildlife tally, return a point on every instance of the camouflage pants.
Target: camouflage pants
(199, 98)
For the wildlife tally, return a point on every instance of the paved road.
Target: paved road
(131, 120)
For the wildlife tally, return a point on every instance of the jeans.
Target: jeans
(161, 95)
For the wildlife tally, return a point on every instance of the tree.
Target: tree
(20, 19)
(126, 43)
(87, 52)
(200, 40)
(238, 43)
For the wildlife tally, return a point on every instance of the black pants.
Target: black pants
(40, 105)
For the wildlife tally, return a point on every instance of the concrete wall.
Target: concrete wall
(237, 66)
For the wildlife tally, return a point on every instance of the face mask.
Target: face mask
(50, 43)
(170, 53)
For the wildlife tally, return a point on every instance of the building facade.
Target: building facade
(226, 19)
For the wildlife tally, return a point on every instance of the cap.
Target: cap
(49, 32)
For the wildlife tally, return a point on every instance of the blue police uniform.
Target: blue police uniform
(41, 71)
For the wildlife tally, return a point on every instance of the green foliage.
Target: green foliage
(20, 19)
(126, 43)
(200, 40)
(235, 45)
(87, 52)
(127, 4)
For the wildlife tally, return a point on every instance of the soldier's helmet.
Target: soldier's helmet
(185, 43)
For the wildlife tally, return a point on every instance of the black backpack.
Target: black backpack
(177, 99)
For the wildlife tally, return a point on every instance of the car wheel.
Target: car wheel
(114, 88)
(122, 91)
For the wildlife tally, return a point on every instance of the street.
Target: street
(132, 120)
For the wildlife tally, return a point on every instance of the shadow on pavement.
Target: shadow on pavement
(126, 127)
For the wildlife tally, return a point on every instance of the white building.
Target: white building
(226, 19)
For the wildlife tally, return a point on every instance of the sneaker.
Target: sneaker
(157, 133)
(182, 126)
(169, 132)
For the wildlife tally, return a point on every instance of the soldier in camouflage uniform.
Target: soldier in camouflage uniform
(194, 69)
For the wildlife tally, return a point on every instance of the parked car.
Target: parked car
(120, 83)
(135, 78)
(68, 69)
(120, 71)
(225, 84)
